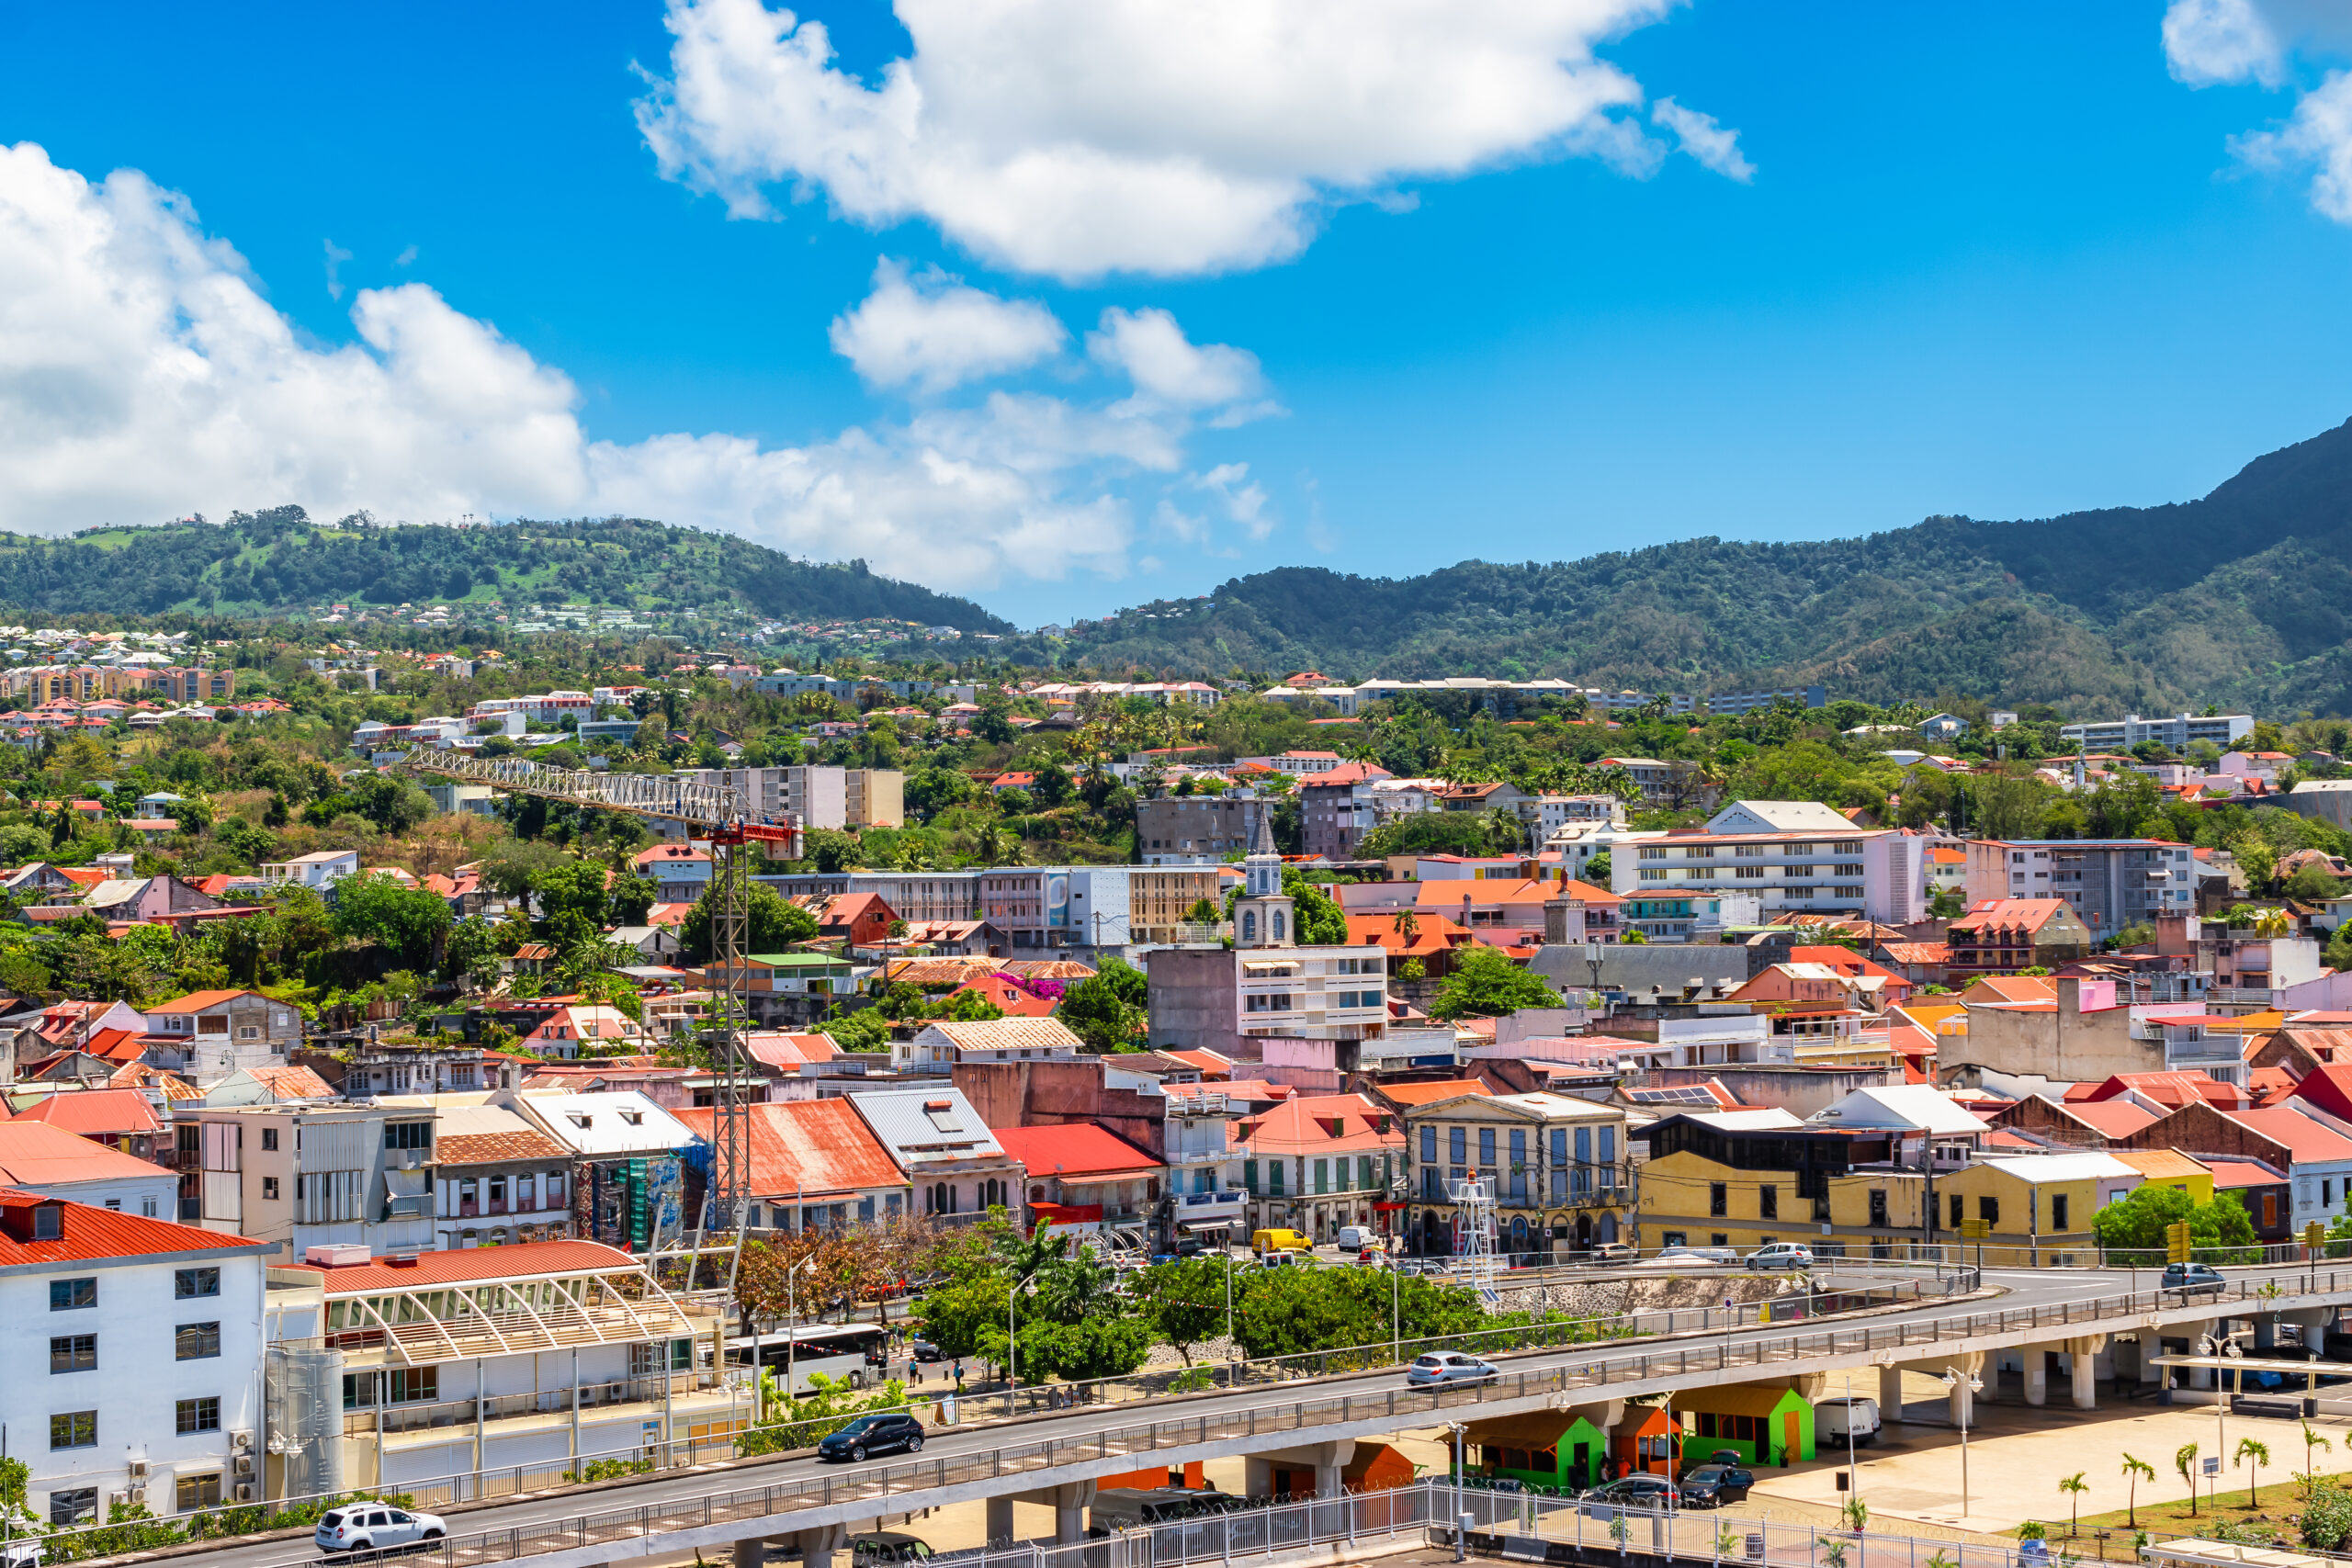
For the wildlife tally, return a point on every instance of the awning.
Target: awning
(1194, 1226)
(1389, 1208)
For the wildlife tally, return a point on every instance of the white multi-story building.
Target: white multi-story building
(2180, 732)
(1788, 855)
(547, 707)
(308, 1174)
(135, 1353)
(2109, 883)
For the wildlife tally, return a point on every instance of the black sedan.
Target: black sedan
(872, 1435)
(1712, 1485)
(1640, 1492)
(925, 1351)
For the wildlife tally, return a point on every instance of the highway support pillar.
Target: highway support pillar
(2035, 1362)
(1000, 1524)
(1890, 1394)
(752, 1553)
(2084, 1351)
(1070, 1501)
(819, 1544)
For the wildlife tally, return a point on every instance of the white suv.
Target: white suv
(372, 1527)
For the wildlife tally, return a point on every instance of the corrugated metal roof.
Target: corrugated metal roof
(523, 1260)
(1010, 1034)
(1082, 1149)
(598, 1122)
(815, 1148)
(93, 1110)
(927, 1124)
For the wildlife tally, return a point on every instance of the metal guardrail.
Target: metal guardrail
(1392, 1407)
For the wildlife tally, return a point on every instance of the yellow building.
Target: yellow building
(1746, 1179)
(2169, 1167)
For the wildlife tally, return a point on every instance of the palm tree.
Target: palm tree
(2261, 1454)
(1406, 925)
(2312, 1440)
(2074, 1486)
(2273, 922)
(2184, 1459)
(2133, 1469)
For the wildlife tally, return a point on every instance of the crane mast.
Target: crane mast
(714, 812)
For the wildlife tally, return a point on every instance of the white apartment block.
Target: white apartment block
(547, 707)
(135, 1353)
(2180, 732)
(1879, 872)
(814, 796)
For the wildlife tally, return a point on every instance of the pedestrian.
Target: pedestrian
(959, 1376)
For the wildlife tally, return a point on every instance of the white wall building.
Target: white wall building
(1818, 861)
(134, 1349)
(2180, 732)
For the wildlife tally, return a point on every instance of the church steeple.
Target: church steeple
(1262, 916)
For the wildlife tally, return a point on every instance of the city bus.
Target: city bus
(852, 1350)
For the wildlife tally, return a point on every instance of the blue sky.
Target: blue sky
(1996, 259)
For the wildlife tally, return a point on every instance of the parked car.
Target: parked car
(924, 1350)
(1279, 1240)
(886, 1433)
(23, 1552)
(1834, 1418)
(373, 1526)
(1644, 1493)
(1782, 1254)
(1605, 1254)
(2194, 1279)
(888, 1546)
(1355, 1238)
(1712, 1485)
(1449, 1366)
(1690, 1257)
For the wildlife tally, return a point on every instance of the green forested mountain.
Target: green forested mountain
(2243, 598)
(279, 560)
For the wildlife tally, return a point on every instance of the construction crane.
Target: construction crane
(712, 812)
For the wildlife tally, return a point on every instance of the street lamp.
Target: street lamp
(1010, 1296)
(1955, 1378)
(792, 1326)
(1460, 1514)
(2208, 1345)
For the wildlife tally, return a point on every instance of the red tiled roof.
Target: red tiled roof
(93, 1233)
(491, 1148)
(2112, 1118)
(2231, 1170)
(90, 1111)
(818, 1148)
(1082, 1149)
(2304, 1137)
(1304, 1126)
(1430, 1093)
(530, 1259)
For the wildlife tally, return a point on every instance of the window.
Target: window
(196, 1342)
(1322, 1175)
(1364, 1172)
(48, 1222)
(1274, 1177)
(408, 1136)
(1718, 1199)
(74, 1353)
(77, 1506)
(1457, 1146)
(194, 1491)
(66, 1295)
(1878, 1206)
(2058, 1212)
(268, 1138)
(76, 1429)
(247, 1032)
(196, 1415)
(270, 1188)
(1989, 1210)
(1958, 1204)
(1429, 1146)
(1485, 1146)
(1768, 1202)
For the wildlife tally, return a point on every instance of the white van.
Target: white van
(1834, 1418)
(1355, 1238)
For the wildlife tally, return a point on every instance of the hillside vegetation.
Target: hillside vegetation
(2239, 598)
(272, 563)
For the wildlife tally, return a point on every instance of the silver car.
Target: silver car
(1449, 1366)
(375, 1526)
(1782, 1254)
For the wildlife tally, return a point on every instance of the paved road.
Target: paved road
(2023, 1289)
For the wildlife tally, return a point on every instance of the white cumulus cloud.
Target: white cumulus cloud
(934, 331)
(1075, 138)
(1709, 143)
(1166, 368)
(143, 377)
(2226, 42)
